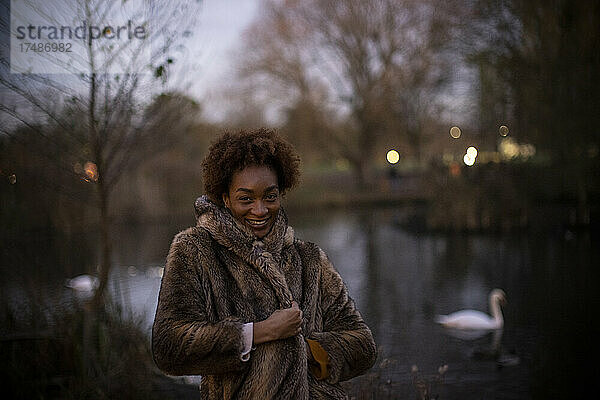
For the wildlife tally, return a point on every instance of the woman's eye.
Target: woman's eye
(272, 196)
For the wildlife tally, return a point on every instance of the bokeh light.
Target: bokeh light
(508, 148)
(472, 151)
(393, 156)
(454, 169)
(527, 150)
(503, 130)
(468, 160)
(91, 171)
(455, 132)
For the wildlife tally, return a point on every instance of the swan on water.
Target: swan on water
(83, 283)
(473, 319)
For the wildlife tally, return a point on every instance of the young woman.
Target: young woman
(257, 312)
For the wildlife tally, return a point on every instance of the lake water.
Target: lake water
(401, 279)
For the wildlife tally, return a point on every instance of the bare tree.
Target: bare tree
(371, 68)
(95, 98)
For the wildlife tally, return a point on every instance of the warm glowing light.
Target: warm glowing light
(393, 156)
(503, 130)
(12, 179)
(527, 150)
(468, 160)
(455, 132)
(472, 151)
(91, 171)
(508, 148)
(454, 169)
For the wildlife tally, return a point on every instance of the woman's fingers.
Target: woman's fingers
(288, 321)
(296, 308)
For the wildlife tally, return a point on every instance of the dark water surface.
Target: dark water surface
(401, 279)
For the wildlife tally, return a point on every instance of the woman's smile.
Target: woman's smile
(259, 227)
(258, 222)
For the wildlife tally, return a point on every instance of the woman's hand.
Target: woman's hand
(281, 324)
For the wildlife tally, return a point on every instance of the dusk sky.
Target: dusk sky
(219, 30)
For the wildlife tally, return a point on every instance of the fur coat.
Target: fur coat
(218, 276)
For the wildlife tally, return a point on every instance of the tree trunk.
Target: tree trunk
(105, 243)
(103, 197)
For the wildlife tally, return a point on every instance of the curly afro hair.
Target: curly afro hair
(233, 152)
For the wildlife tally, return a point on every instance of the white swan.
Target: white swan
(83, 283)
(473, 319)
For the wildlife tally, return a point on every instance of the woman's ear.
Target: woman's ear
(226, 200)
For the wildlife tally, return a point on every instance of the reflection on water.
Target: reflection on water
(401, 280)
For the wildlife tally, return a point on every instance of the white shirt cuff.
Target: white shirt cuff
(247, 335)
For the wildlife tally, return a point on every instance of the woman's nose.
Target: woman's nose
(259, 209)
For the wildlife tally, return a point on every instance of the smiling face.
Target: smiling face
(253, 198)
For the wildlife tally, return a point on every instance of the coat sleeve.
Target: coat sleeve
(345, 337)
(184, 342)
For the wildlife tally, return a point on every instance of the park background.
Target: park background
(447, 149)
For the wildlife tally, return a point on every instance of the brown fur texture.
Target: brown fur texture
(218, 276)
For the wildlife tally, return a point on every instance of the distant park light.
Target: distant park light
(468, 160)
(527, 150)
(455, 132)
(503, 130)
(509, 149)
(393, 156)
(454, 169)
(472, 151)
(91, 171)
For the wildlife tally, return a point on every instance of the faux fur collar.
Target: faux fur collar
(229, 231)
(263, 254)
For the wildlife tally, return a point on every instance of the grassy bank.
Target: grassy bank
(69, 353)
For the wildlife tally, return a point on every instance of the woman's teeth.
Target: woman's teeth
(257, 223)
